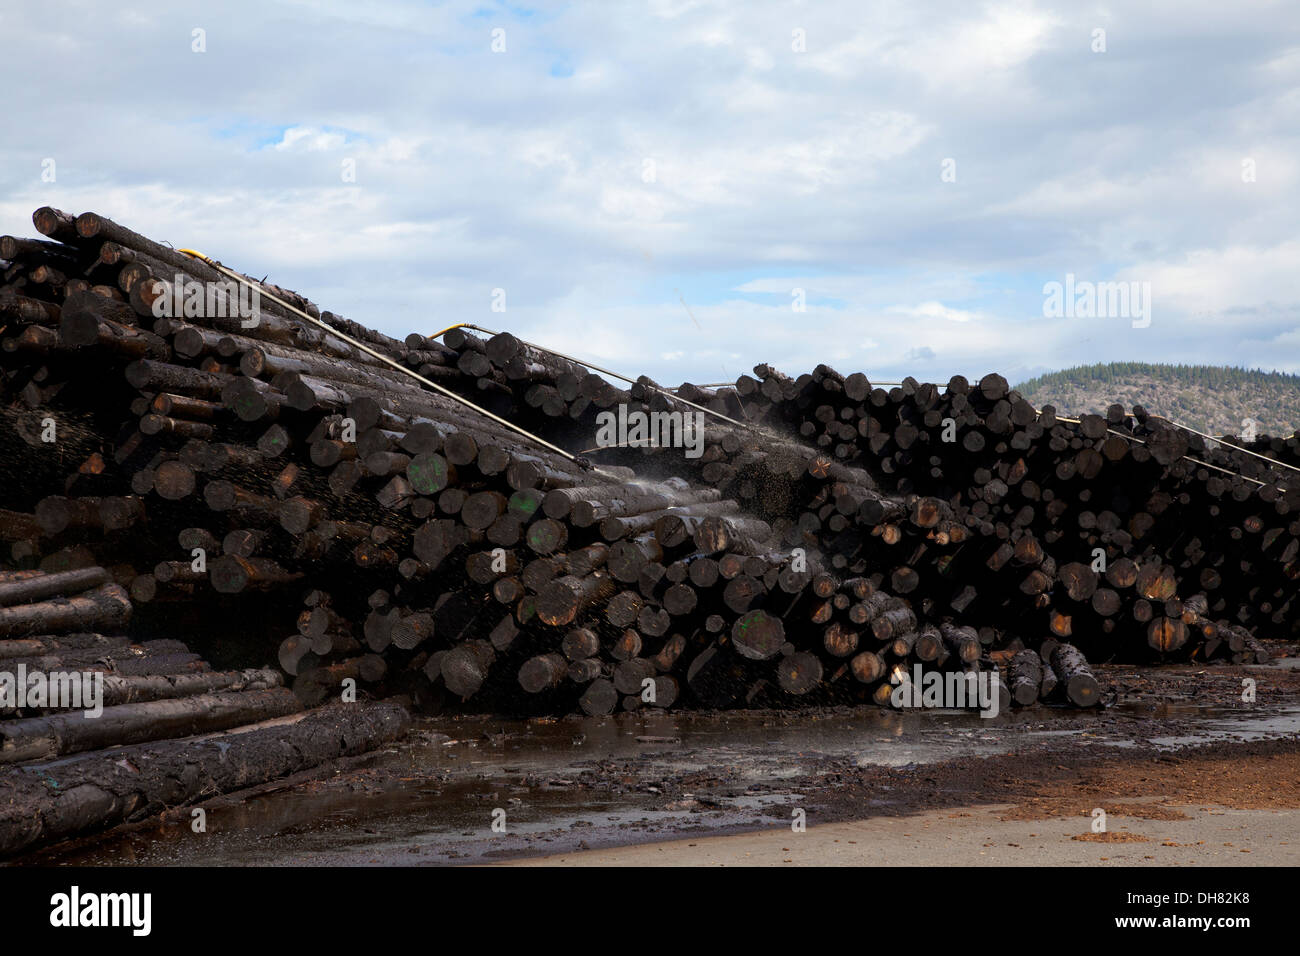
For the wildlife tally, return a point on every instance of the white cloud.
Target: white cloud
(774, 170)
(934, 310)
(1218, 281)
(310, 139)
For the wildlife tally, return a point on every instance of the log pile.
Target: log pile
(47, 801)
(98, 727)
(829, 536)
(1118, 531)
(72, 681)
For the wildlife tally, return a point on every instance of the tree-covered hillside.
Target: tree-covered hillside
(1211, 398)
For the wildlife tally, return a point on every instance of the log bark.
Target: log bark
(41, 585)
(56, 735)
(101, 790)
(1074, 676)
(105, 606)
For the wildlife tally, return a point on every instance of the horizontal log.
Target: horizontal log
(98, 790)
(40, 586)
(56, 735)
(105, 606)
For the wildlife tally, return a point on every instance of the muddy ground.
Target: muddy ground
(1176, 744)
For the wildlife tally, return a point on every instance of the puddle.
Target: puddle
(630, 777)
(1238, 727)
(439, 790)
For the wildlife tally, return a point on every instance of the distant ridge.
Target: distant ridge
(1212, 398)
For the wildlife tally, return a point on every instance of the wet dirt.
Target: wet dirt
(480, 789)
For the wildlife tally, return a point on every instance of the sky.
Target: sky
(686, 189)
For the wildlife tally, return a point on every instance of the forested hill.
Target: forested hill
(1212, 398)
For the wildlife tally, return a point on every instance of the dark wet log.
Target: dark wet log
(1156, 582)
(758, 635)
(84, 329)
(177, 572)
(412, 630)
(1080, 581)
(35, 339)
(14, 247)
(40, 586)
(1166, 634)
(928, 645)
(481, 509)
(174, 480)
(252, 400)
(46, 737)
(105, 606)
(670, 653)
(82, 312)
(867, 667)
(25, 309)
(18, 526)
(1122, 573)
(630, 676)
(580, 644)
(75, 648)
(546, 536)
(223, 495)
(429, 473)
(840, 640)
(585, 671)
(465, 667)
(962, 641)
(626, 646)
(103, 789)
(600, 698)
(876, 509)
(231, 574)
(560, 600)
(147, 374)
(1106, 602)
(154, 424)
(297, 515)
(372, 668)
(627, 559)
(799, 673)
(542, 672)
(190, 538)
(296, 656)
(221, 292)
(263, 360)
(57, 513)
(588, 505)
(1025, 677)
(55, 224)
(120, 689)
(742, 593)
(314, 687)
(892, 622)
(1074, 677)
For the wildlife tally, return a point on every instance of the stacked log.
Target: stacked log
(828, 535)
(1093, 513)
(87, 792)
(71, 680)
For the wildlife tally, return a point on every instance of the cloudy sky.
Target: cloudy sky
(657, 186)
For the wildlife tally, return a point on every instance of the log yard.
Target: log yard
(793, 512)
